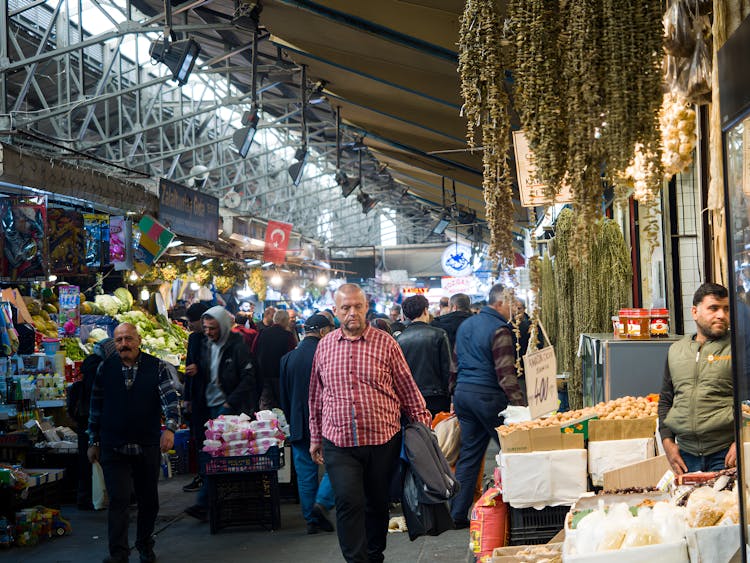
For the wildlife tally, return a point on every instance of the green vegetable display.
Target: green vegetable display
(110, 304)
(126, 298)
(73, 349)
(160, 337)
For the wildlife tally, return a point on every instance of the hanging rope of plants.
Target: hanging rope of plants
(485, 108)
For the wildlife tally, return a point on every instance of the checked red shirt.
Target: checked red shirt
(358, 389)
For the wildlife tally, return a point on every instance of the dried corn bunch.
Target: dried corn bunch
(485, 108)
(678, 138)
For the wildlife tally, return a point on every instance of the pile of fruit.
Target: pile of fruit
(40, 312)
(624, 408)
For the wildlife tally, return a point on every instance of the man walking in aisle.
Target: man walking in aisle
(195, 385)
(294, 385)
(230, 381)
(696, 416)
(271, 345)
(428, 354)
(486, 383)
(359, 388)
(460, 310)
(130, 393)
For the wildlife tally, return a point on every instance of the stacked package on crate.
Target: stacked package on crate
(230, 435)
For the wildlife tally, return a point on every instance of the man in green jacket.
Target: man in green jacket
(696, 420)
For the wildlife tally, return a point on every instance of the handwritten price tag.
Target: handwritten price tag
(540, 369)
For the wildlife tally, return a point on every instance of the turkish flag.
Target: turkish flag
(277, 240)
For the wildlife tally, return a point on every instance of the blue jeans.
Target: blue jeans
(711, 462)
(477, 411)
(310, 492)
(202, 497)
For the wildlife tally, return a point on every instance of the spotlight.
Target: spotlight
(178, 56)
(295, 294)
(133, 276)
(297, 168)
(367, 201)
(322, 280)
(276, 280)
(52, 278)
(347, 184)
(442, 224)
(243, 137)
(317, 96)
(145, 294)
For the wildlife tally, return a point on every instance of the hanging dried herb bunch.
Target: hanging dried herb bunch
(485, 108)
(537, 27)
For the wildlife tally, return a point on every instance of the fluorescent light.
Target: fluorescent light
(175, 243)
(207, 261)
(252, 261)
(267, 264)
(190, 259)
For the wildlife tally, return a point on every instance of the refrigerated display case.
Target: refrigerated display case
(614, 367)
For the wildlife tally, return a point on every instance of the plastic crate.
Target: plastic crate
(269, 461)
(242, 499)
(529, 526)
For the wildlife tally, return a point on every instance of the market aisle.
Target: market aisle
(182, 539)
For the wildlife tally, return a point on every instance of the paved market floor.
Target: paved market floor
(183, 539)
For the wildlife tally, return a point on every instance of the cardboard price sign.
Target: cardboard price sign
(540, 369)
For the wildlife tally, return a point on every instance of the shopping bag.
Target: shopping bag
(448, 433)
(98, 489)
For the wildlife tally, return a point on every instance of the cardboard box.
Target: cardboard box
(539, 440)
(604, 430)
(545, 478)
(580, 426)
(643, 474)
(613, 454)
(508, 554)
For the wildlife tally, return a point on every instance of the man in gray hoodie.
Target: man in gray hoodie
(230, 380)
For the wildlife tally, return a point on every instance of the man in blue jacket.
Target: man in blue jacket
(486, 383)
(294, 387)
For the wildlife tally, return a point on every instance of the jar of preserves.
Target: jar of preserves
(638, 324)
(659, 324)
(622, 326)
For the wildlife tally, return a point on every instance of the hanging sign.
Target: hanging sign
(532, 192)
(121, 243)
(466, 284)
(540, 371)
(415, 290)
(456, 260)
(188, 212)
(69, 313)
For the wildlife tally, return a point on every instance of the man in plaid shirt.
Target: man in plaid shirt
(360, 386)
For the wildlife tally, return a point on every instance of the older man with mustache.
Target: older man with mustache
(696, 417)
(131, 391)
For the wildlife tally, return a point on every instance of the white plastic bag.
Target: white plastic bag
(98, 489)
(514, 414)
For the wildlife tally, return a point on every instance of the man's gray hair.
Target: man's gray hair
(496, 294)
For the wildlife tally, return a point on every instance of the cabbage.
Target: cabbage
(97, 335)
(109, 304)
(125, 297)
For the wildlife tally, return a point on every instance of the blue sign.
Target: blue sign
(456, 260)
(187, 212)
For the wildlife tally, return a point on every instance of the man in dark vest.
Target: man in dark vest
(696, 413)
(131, 391)
(459, 310)
(486, 383)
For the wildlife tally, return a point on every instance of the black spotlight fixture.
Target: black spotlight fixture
(178, 56)
(367, 201)
(442, 224)
(243, 137)
(348, 185)
(297, 168)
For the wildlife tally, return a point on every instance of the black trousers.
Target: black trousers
(143, 472)
(83, 495)
(360, 477)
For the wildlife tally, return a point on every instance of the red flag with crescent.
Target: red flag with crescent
(277, 240)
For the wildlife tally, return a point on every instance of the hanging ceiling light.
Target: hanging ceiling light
(145, 294)
(276, 280)
(178, 56)
(322, 280)
(442, 224)
(297, 168)
(295, 294)
(367, 201)
(347, 184)
(194, 286)
(243, 137)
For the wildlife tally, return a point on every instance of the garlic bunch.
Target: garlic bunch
(677, 121)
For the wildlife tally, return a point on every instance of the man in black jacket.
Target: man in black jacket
(271, 345)
(427, 352)
(460, 310)
(195, 384)
(131, 391)
(229, 380)
(294, 387)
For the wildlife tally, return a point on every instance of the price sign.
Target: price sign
(540, 369)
